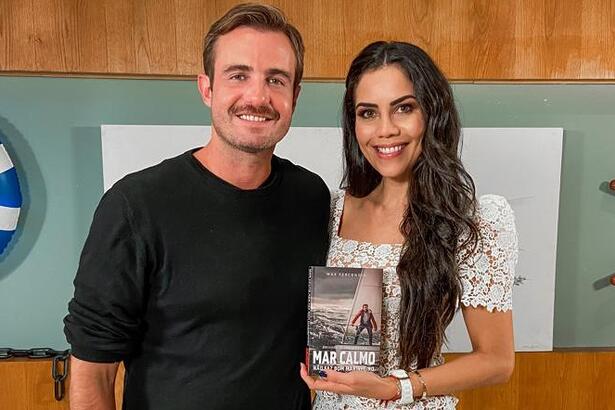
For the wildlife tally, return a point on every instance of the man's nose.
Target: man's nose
(257, 93)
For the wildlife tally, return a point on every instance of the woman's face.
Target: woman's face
(389, 122)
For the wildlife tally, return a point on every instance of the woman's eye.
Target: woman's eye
(404, 108)
(367, 114)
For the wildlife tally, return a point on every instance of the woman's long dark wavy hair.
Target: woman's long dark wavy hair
(439, 219)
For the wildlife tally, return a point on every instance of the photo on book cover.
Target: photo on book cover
(344, 319)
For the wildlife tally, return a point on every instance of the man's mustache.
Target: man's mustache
(262, 110)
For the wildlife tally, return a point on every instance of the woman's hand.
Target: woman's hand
(363, 384)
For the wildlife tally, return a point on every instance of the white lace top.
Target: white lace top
(487, 277)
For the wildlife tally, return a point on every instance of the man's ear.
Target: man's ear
(296, 96)
(204, 85)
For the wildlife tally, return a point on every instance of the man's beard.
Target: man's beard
(250, 149)
(263, 111)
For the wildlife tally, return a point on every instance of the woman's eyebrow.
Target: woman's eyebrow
(394, 102)
(402, 98)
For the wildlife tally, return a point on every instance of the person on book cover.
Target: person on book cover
(188, 275)
(409, 207)
(366, 322)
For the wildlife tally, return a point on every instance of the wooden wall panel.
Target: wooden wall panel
(89, 22)
(27, 385)
(470, 39)
(191, 23)
(16, 35)
(155, 23)
(119, 37)
(554, 380)
(570, 38)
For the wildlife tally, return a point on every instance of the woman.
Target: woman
(409, 207)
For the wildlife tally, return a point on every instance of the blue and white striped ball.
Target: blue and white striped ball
(10, 199)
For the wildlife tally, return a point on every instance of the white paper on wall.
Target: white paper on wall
(521, 164)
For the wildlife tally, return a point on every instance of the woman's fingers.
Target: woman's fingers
(305, 376)
(330, 381)
(336, 377)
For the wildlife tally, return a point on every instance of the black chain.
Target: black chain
(59, 374)
(59, 364)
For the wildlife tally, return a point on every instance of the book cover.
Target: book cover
(344, 319)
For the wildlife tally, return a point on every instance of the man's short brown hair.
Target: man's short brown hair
(258, 16)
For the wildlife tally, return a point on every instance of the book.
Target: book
(344, 319)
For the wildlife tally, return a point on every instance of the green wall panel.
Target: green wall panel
(51, 129)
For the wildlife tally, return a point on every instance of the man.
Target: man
(366, 321)
(194, 273)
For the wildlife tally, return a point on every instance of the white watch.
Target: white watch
(407, 393)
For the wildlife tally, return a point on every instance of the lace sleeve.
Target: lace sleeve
(487, 276)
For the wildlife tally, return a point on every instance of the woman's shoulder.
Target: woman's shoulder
(337, 207)
(494, 210)
(337, 194)
(337, 199)
(492, 202)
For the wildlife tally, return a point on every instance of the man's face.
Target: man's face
(365, 308)
(252, 96)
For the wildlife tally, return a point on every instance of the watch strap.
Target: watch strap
(407, 393)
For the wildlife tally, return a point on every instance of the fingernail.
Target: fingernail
(322, 373)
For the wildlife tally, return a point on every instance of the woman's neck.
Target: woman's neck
(390, 194)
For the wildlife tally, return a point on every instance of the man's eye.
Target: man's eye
(239, 77)
(275, 81)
